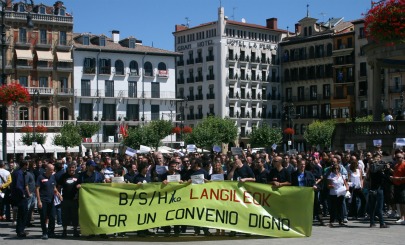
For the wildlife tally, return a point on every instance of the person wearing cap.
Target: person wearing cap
(90, 175)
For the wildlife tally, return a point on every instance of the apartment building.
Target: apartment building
(121, 81)
(230, 69)
(311, 74)
(38, 56)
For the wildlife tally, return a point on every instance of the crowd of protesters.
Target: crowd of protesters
(347, 186)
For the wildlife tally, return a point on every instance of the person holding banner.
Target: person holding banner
(170, 176)
(261, 173)
(218, 175)
(278, 175)
(241, 172)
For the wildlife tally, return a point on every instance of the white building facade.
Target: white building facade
(121, 82)
(230, 69)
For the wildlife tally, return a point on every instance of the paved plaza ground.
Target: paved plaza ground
(357, 232)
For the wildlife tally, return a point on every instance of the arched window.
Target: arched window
(23, 113)
(161, 66)
(148, 69)
(119, 67)
(44, 113)
(133, 68)
(63, 113)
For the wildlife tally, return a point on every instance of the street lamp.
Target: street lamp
(15, 115)
(182, 118)
(289, 113)
(3, 78)
(35, 102)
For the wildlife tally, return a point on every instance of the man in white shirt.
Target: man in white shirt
(5, 181)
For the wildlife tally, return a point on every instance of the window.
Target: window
(21, 8)
(102, 41)
(85, 84)
(155, 112)
(313, 92)
(133, 68)
(314, 110)
(361, 33)
(86, 111)
(89, 65)
(109, 88)
(62, 38)
(105, 66)
(133, 112)
(63, 113)
(109, 112)
(62, 12)
(148, 69)
(86, 40)
(326, 91)
(300, 93)
(155, 90)
(162, 70)
(42, 10)
(288, 94)
(44, 113)
(43, 82)
(43, 36)
(132, 89)
(23, 81)
(63, 82)
(132, 43)
(119, 67)
(23, 113)
(363, 69)
(22, 37)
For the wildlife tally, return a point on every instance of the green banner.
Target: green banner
(245, 207)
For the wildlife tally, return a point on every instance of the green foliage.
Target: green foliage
(69, 136)
(320, 133)
(265, 136)
(28, 138)
(213, 131)
(368, 118)
(86, 130)
(148, 135)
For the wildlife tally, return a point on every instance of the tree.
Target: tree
(86, 130)
(69, 136)
(148, 135)
(265, 136)
(213, 131)
(320, 133)
(40, 137)
(159, 129)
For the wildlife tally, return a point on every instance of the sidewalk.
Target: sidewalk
(357, 232)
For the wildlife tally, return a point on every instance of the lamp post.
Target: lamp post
(185, 100)
(3, 78)
(15, 115)
(36, 96)
(401, 101)
(289, 112)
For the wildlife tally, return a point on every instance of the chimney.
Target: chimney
(116, 36)
(180, 27)
(271, 23)
(297, 28)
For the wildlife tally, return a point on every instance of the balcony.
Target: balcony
(89, 70)
(210, 77)
(190, 97)
(190, 61)
(190, 117)
(199, 97)
(64, 66)
(190, 79)
(396, 89)
(117, 94)
(24, 64)
(199, 78)
(105, 70)
(210, 96)
(198, 60)
(199, 116)
(65, 91)
(41, 90)
(180, 80)
(180, 63)
(46, 123)
(210, 58)
(44, 66)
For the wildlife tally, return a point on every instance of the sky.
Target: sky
(153, 21)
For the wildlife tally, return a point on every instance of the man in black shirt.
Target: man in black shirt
(70, 205)
(241, 172)
(45, 190)
(279, 176)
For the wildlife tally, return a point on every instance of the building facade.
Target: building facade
(38, 56)
(230, 69)
(121, 82)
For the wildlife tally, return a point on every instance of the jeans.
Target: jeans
(355, 211)
(376, 202)
(30, 206)
(58, 210)
(47, 212)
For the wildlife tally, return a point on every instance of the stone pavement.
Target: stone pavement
(357, 232)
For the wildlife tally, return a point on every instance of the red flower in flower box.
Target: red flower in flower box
(289, 131)
(14, 92)
(176, 130)
(187, 130)
(41, 129)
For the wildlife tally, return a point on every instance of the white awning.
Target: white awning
(49, 146)
(64, 56)
(45, 55)
(24, 54)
